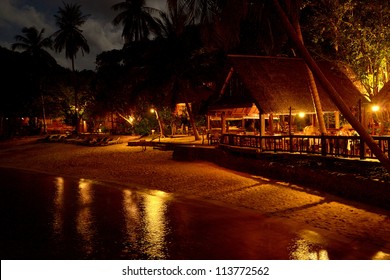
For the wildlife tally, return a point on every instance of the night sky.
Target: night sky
(100, 33)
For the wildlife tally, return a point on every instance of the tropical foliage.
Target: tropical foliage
(167, 56)
(137, 20)
(34, 44)
(356, 32)
(69, 19)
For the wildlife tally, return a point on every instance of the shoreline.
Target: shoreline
(157, 170)
(329, 174)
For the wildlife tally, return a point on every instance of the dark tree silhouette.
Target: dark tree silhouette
(69, 19)
(34, 44)
(137, 20)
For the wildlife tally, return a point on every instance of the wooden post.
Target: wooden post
(289, 121)
(262, 125)
(323, 145)
(271, 124)
(262, 129)
(337, 119)
(223, 123)
(362, 150)
(289, 129)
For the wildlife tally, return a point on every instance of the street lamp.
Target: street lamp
(159, 121)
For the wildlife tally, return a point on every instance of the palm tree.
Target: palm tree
(33, 43)
(69, 19)
(174, 30)
(201, 11)
(137, 20)
(171, 24)
(69, 36)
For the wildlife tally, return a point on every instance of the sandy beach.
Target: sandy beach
(156, 170)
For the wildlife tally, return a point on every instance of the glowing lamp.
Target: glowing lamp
(375, 108)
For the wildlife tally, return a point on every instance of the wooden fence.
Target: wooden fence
(343, 146)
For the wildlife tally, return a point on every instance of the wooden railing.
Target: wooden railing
(343, 146)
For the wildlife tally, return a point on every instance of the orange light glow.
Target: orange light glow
(375, 108)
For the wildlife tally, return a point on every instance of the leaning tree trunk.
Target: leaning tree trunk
(192, 121)
(313, 86)
(333, 94)
(160, 125)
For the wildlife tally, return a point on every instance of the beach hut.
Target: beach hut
(272, 95)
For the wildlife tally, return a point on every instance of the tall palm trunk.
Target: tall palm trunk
(43, 114)
(313, 86)
(333, 94)
(76, 97)
(41, 88)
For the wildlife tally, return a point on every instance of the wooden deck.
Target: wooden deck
(340, 146)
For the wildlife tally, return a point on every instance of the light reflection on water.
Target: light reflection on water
(57, 217)
(131, 217)
(144, 225)
(58, 221)
(146, 222)
(84, 220)
(155, 224)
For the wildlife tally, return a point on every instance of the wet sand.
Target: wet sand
(155, 169)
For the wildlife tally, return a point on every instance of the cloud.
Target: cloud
(158, 4)
(103, 36)
(13, 16)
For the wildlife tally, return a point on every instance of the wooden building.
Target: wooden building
(270, 95)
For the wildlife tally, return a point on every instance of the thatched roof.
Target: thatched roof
(277, 83)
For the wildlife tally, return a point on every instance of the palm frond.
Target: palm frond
(69, 36)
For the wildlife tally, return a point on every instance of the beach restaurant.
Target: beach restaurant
(266, 105)
(272, 95)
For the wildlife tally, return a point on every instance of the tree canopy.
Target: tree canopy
(182, 46)
(136, 18)
(355, 32)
